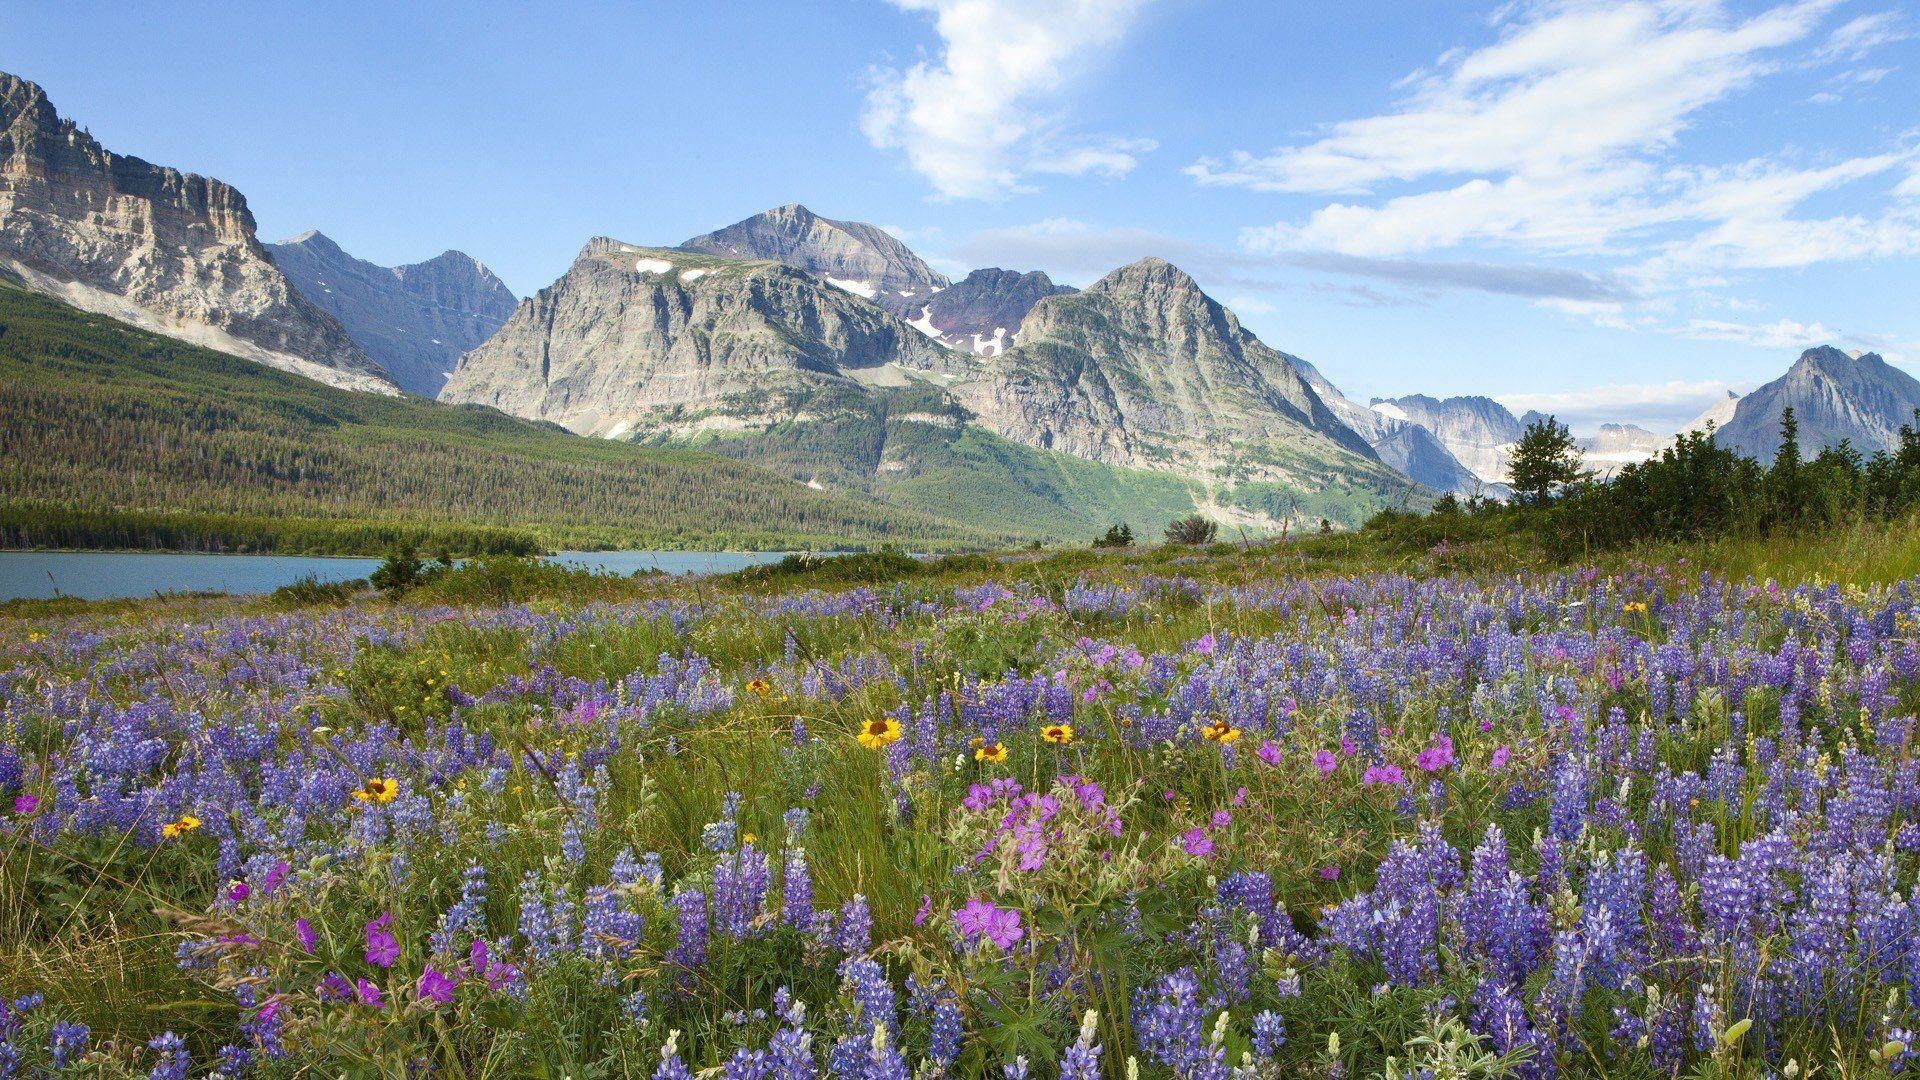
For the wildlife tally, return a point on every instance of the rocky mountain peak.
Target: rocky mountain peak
(1834, 396)
(983, 314)
(1150, 272)
(853, 256)
(415, 320)
(169, 251)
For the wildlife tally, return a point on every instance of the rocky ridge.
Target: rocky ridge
(167, 251)
(416, 321)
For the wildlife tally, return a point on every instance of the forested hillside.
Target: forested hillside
(111, 436)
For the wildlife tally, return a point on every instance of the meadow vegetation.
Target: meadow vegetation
(1337, 806)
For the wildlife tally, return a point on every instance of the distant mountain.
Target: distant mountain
(637, 339)
(982, 314)
(1835, 396)
(1478, 431)
(1407, 448)
(168, 251)
(859, 258)
(1145, 370)
(1719, 414)
(1616, 446)
(415, 320)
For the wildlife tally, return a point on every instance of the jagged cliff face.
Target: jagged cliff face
(1405, 447)
(416, 320)
(1834, 396)
(1718, 414)
(982, 314)
(168, 251)
(1145, 370)
(853, 256)
(1478, 431)
(671, 342)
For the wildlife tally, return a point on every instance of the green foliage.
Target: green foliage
(114, 437)
(1546, 461)
(1116, 536)
(1193, 530)
(1696, 490)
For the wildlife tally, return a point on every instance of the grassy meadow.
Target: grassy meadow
(1344, 806)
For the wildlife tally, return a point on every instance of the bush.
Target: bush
(310, 591)
(1192, 530)
(1117, 536)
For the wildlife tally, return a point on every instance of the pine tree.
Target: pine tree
(1545, 461)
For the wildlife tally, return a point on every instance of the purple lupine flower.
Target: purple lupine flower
(1269, 1033)
(689, 950)
(67, 1042)
(1082, 1059)
(174, 1062)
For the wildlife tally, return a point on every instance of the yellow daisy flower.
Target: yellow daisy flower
(186, 824)
(991, 753)
(880, 733)
(378, 790)
(1058, 734)
(1221, 732)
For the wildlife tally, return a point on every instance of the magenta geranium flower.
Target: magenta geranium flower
(368, 994)
(983, 918)
(1196, 842)
(304, 930)
(1325, 762)
(1269, 752)
(382, 949)
(26, 804)
(1499, 759)
(275, 874)
(1438, 756)
(436, 987)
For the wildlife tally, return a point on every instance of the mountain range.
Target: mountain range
(415, 321)
(827, 352)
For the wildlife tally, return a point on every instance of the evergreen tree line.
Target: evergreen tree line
(1695, 489)
(112, 437)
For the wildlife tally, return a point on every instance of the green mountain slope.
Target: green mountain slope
(112, 436)
(911, 447)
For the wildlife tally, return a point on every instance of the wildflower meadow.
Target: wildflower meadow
(1204, 819)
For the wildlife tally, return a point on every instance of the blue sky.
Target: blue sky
(1607, 210)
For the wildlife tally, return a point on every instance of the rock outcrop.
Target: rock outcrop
(982, 314)
(1835, 396)
(1478, 431)
(1143, 369)
(168, 251)
(861, 259)
(668, 342)
(415, 320)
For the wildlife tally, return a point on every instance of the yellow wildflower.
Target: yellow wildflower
(991, 753)
(880, 733)
(1058, 734)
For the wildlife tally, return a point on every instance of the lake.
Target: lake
(104, 575)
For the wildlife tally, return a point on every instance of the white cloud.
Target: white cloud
(1250, 305)
(1076, 251)
(1555, 140)
(1855, 39)
(1107, 157)
(1572, 85)
(970, 122)
(1662, 407)
(1784, 334)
